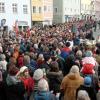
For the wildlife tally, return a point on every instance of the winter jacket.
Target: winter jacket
(70, 84)
(28, 84)
(14, 88)
(90, 90)
(55, 79)
(88, 69)
(44, 95)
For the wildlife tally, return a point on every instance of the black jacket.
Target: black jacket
(15, 92)
(55, 79)
(90, 90)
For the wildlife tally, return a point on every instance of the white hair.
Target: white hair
(83, 95)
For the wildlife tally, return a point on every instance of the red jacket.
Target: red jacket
(29, 84)
(88, 69)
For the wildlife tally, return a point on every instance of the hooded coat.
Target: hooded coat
(70, 84)
(55, 79)
(14, 88)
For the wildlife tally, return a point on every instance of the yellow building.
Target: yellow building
(37, 15)
(86, 7)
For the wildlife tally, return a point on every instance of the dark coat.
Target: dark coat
(14, 88)
(15, 92)
(55, 79)
(90, 90)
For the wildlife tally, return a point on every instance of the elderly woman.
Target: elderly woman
(71, 83)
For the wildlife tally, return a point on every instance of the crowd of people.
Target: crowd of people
(57, 62)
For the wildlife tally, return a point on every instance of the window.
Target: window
(2, 7)
(40, 10)
(55, 10)
(45, 8)
(25, 11)
(14, 8)
(34, 9)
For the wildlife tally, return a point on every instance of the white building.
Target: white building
(65, 10)
(15, 11)
(47, 12)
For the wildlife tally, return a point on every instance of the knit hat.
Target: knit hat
(36, 46)
(79, 53)
(88, 42)
(87, 81)
(88, 54)
(41, 56)
(74, 69)
(38, 74)
(43, 85)
(22, 69)
(83, 95)
(2, 57)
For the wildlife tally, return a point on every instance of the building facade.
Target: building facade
(15, 12)
(97, 9)
(37, 11)
(42, 12)
(86, 7)
(65, 10)
(48, 12)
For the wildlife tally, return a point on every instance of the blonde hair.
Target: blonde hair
(83, 95)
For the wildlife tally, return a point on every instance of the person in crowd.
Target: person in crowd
(87, 86)
(46, 64)
(71, 83)
(28, 81)
(3, 62)
(20, 60)
(88, 63)
(83, 95)
(43, 91)
(14, 87)
(55, 77)
(38, 75)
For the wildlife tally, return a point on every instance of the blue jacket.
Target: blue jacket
(44, 95)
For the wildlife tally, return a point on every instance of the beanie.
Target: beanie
(38, 74)
(22, 69)
(43, 85)
(88, 54)
(83, 95)
(74, 69)
(87, 81)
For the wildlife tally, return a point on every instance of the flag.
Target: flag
(16, 27)
(28, 32)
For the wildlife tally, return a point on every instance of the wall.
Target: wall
(48, 13)
(11, 17)
(58, 16)
(86, 6)
(37, 16)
